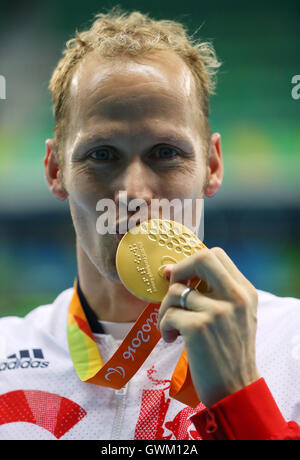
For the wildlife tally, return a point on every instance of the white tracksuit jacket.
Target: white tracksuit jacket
(41, 396)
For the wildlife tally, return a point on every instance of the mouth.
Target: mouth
(119, 236)
(120, 229)
(129, 225)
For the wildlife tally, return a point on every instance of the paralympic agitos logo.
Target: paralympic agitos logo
(25, 359)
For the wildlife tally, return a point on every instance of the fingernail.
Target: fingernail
(168, 270)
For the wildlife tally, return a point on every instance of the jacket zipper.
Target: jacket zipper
(119, 415)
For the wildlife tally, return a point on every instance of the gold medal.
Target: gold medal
(144, 252)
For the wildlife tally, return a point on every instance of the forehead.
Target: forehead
(155, 85)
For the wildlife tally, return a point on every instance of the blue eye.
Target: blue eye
(166, 153)
(101, 154)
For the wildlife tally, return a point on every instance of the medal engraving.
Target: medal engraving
(144, 252)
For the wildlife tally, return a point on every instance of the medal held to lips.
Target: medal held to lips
(144, 252)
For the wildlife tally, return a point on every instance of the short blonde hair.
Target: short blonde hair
(118, 33)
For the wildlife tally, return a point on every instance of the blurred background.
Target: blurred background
(256, 215)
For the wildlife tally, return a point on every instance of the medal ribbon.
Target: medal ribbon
(128, 358)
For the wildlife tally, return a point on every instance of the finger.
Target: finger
(207, 267)
(250, 293)
(231, 267)
(194, 301)
(180, 322)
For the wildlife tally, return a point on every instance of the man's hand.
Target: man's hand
(218, 326)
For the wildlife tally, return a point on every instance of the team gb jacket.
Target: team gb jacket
(41, 396)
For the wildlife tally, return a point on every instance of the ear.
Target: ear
(53, 172)
(215, 166)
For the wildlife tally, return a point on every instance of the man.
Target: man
(131, 115)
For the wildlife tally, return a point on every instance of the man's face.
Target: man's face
(134, 127)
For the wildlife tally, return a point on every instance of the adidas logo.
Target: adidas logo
(24, 360)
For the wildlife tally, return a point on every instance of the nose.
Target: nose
(137, 183)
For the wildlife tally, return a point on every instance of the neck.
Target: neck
(109, 299)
